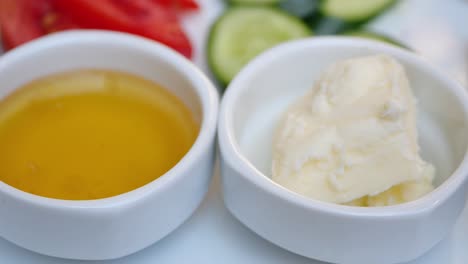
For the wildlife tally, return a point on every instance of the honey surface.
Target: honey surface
(91, 134)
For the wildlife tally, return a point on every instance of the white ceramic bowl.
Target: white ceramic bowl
(329, 232)
(120, 225)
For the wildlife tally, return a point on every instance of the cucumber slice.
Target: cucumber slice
(354, 10)
(242, 33)
(253, 2)
(374, 36)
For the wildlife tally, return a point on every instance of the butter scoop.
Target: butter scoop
(352, 139)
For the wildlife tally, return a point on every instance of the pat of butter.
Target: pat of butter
(352, 139)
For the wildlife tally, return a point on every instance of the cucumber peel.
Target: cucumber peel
(332, 26)
(300, 8)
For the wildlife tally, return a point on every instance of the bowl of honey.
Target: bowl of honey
(107, 143)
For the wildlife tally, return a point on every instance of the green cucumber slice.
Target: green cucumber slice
(374, 36)
(354, 10)
(253, 2)
(242, 33)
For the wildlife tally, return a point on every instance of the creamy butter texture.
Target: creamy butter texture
(352, 139)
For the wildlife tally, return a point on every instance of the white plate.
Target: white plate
(436, 29)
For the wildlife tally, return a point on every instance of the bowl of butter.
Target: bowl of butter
(345, 150)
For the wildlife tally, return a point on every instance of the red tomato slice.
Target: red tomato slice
(184, 5)
(141, 10)
(99, 14)
(53, 21)
(140, 17)
(19, 22)
(25, 20)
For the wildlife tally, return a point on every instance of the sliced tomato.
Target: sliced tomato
(54, 21)
(184, 5)
(25, 20)
(101, 14)
(19, 21)
(141, 17)
(144, 10)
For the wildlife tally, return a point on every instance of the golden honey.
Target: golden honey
(91, 134)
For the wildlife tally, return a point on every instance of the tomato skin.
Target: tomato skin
(140, 17)
(54, 22)
(183, 5)
(19, 21)
(25, 20)
(94, 14)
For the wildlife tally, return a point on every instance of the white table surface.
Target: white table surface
(436, 29)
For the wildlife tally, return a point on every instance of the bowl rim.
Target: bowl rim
(232, 154)
(203, 87)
